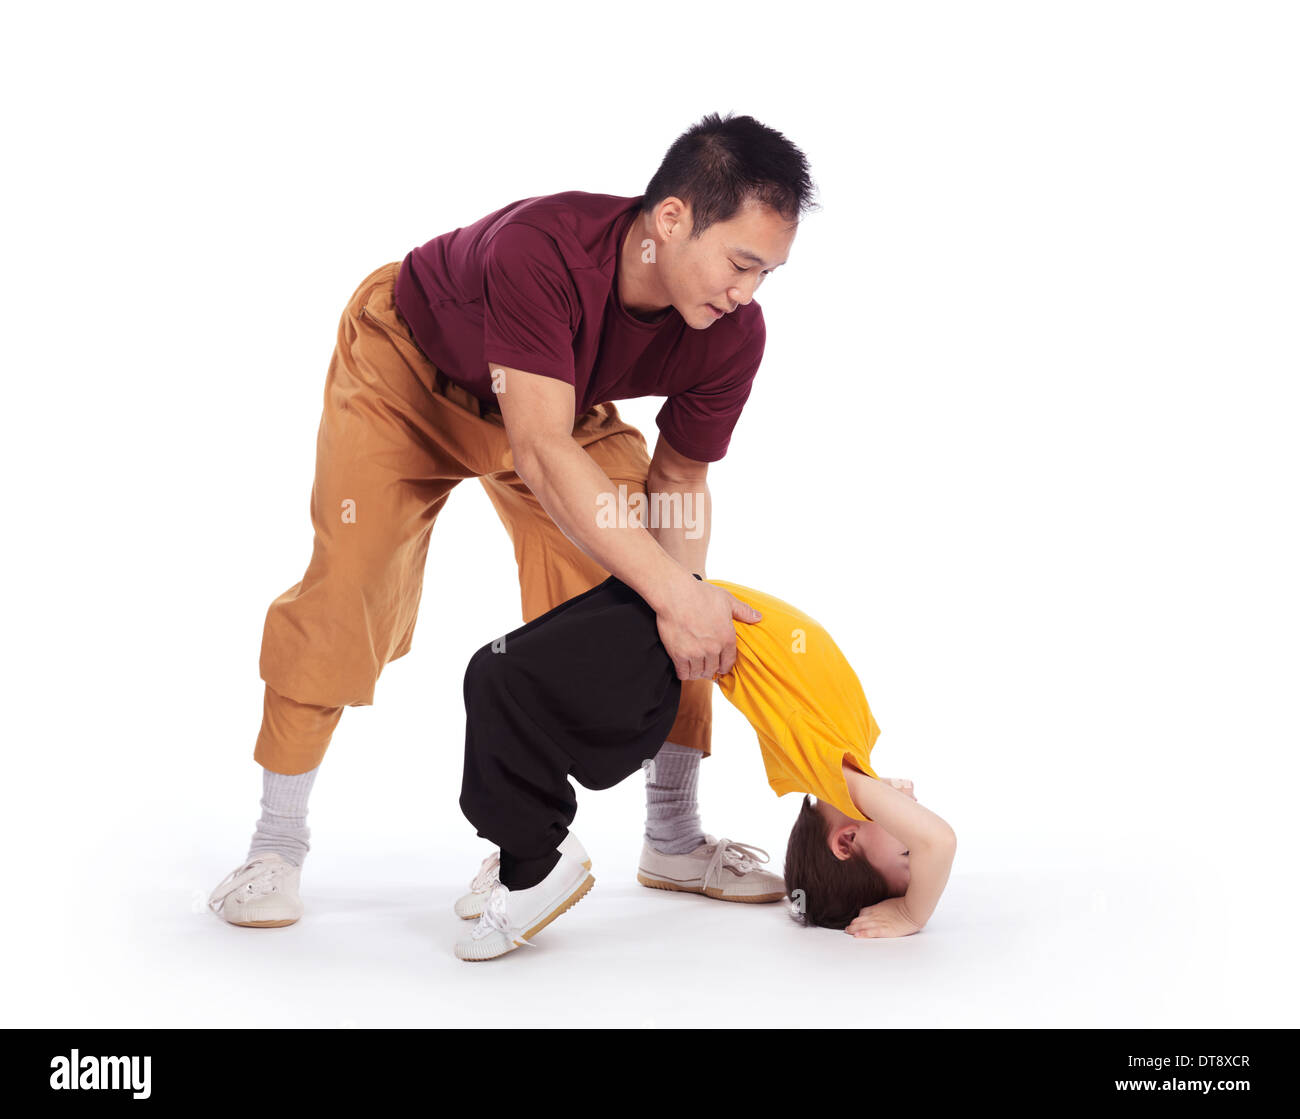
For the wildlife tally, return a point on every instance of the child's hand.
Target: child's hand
(886, 918)
(902, 784)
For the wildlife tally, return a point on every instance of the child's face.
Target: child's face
(887, 854)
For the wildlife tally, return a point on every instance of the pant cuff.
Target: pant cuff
(294, 736)
(520, 874)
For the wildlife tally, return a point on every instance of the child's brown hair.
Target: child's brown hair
(826, 891)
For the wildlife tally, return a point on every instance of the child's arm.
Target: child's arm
(930, 840)
(896, 811)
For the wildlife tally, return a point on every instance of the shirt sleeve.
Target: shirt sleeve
(698, 422)
(814, 756)
(530, 305)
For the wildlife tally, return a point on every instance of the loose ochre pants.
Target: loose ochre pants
(586, 689)
(395, 437)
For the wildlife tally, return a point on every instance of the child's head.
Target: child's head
(836, 866)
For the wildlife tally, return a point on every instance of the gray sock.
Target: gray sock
(672, 817)
(283, 826)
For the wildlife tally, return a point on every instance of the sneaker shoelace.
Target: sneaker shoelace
(730, 854)
(489, 874)
(496, 918)
(256, 877)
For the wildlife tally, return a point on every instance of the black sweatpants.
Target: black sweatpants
(586, 689)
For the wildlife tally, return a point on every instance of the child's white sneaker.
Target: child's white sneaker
(511, 918)
(468, 906)
(718, 868)
(260, 894)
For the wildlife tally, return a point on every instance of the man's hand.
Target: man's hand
(886, 918)
(695, 625)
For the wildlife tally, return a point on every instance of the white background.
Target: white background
(1024, 441)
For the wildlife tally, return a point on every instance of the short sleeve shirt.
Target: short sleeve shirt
(800, 694)
(534, 286)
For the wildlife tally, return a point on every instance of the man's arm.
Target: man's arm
(930, 840)
(679, 486)
(695, 618)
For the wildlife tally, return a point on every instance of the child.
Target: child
(588, 689)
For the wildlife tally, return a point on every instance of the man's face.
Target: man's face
(722, 268)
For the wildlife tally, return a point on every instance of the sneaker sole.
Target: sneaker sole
(572, 900)
(474, 916)
(710, 891)
(264, 924)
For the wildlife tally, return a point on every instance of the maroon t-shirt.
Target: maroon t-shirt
(533, 286)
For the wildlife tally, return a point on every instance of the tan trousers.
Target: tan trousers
(395, 437)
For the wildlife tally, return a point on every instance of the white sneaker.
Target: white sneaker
(261, 894)
(468, 906)
(717, 868)
(511, 918)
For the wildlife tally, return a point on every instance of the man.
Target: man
(496, 351)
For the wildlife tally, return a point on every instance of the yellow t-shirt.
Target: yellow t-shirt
(802, 697)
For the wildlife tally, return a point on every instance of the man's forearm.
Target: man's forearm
(684, 517)
(585, 505)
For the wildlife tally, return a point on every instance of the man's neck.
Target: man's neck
(635, 290)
